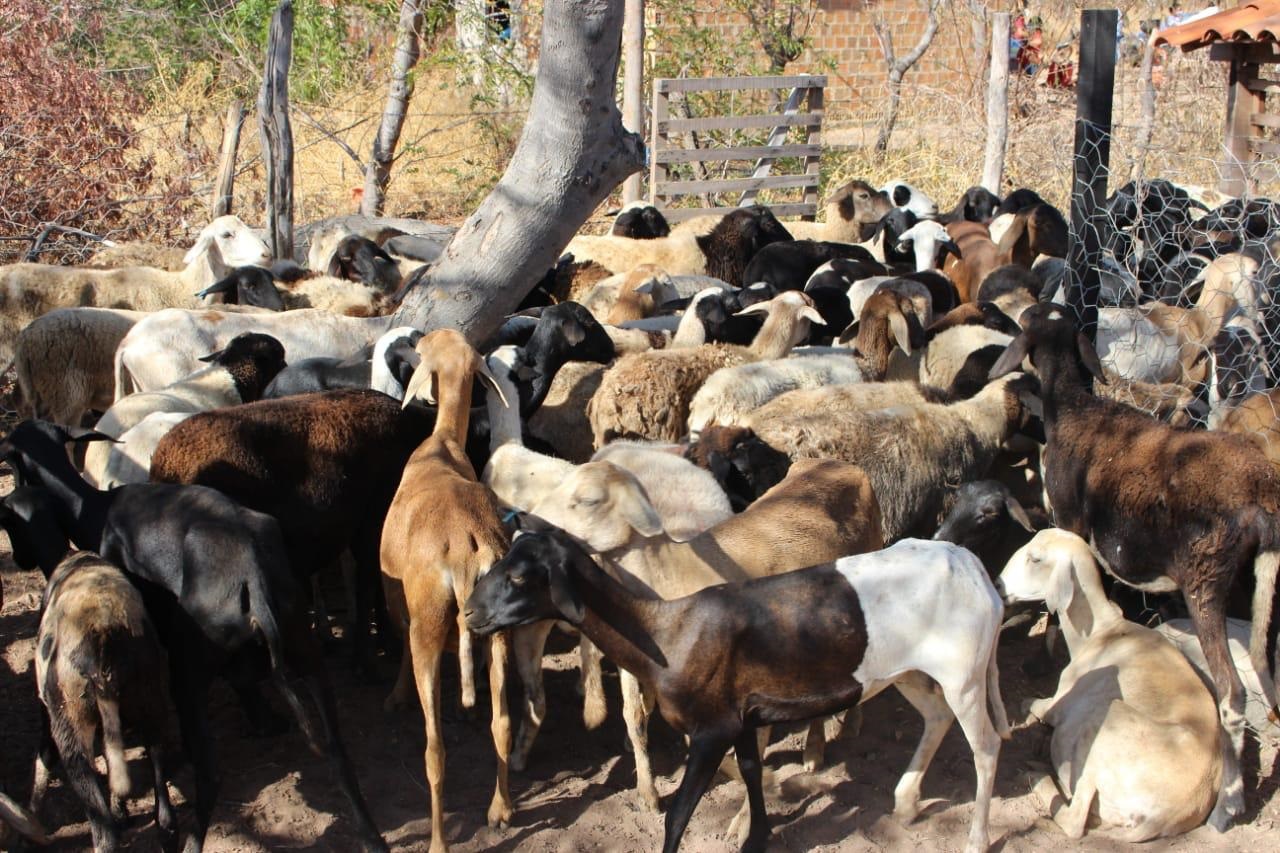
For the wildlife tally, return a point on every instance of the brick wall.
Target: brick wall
(842, 34)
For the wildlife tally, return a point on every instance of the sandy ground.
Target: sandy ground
(577, 794)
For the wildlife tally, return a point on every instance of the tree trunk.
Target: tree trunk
(898, 69)
(997, 104)
(224, 185)
(573, 152)
(471, 32)
(633, 85)
(277, 134)
(377, 174)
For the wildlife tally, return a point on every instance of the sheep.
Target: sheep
(385, 366)
(631, 295)
(136, 253)
(359, 259)
(647, 395)
(906, 197)
(987, 519)
(843, 272)
(249, 285)
(163, 348)
(821, 510)
(1007, 279)
(910, 451)
(442, 532)
(1134, 728)
(1018, 200)
(852, 210)
(1257, 417)
(217, 583)
(29, 290)
(788, 265)
(731, 394)
(129, 459)
(63, 362)
(1154, 342)
(743, 465)
(929, 242)
(640, 220)
(733, 657)
(883, 242)
(1163, 508)
(99, 671)
(976, 204)
(978, 256)
(723, 253)
(959, 358)
(1230, 286)
(1034, 231)
(236, 374)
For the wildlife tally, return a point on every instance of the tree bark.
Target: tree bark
(633, 85)
(277, 134)
(572, 153)
(898, 67)
(997, 104)
(471, 32)
(224, 185)
(377, 173)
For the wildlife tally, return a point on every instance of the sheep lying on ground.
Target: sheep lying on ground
(137, 253)
(852, 210)
(29, 290)
(1134, 728)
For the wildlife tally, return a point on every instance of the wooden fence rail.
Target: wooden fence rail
(807, 90)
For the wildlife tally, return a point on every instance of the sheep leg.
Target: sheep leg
(1074, 817)
(1209, 617)
(635, 714)
(594, 707)
(427, 639)
(926, 697)
(969, 704)
(84, 779)
(501, 808)
(529, 642)
(191, 692)
(705, 753)
(394, 594)
(166, 819)
(740, 827)
(815, 744)
(46, 761)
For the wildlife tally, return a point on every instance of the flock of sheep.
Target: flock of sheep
(766, 469)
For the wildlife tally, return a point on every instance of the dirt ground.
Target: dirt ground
(578, 792)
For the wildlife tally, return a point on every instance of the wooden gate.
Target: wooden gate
(806, 89)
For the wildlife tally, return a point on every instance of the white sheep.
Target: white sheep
(129, 458)
(30, 290)
(928, 240)
(1134, 727)
(907, 197)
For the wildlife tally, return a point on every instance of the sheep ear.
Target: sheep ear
(203, 242)
(1017, 513)
(488, 378)
(574, 333)
(225, 285)
(1012, 357)
(677, 304)
(949, 247)
(1089, 356)
(80, 435)
(850, 332)
(647, 287)
(901, 333)
(1062, 585)
(564, 595)
(758, 308)
(813, 315)
(639, 512)
(211, 357)
(421, 384)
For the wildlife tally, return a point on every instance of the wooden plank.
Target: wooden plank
(1264, 119)
(813, 163)
(1254, 83)
(741, 152)
(1266, 52)
(657, 166)
(703, 84)
(772, 182)
(672, 125)
(679, 214)
(776, 137)
(1267, 147)
(1235, 175)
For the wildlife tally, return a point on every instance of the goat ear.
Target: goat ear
(225, 285)
(850, 332)
(1017, 513)
(80, 435)
(1089, 356)
(949, 247)
(482, 371)
(638, 511)
(421, 384)
(1012, 357)
(203, 243)
(901, 333)
(335, 267)
(564, 595)
(758, 308)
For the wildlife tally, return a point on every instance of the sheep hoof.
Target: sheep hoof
(649, 799)
(1225, 812)
(499, 815)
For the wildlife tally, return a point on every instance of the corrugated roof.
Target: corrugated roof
(1258, 21)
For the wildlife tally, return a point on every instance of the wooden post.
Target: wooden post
(1092, 159)
(813, 163)
(1147, 116)
(633, 84)
(997, 104)
(277, 134)
(224, 186)
(1235, 178)
(657, 170)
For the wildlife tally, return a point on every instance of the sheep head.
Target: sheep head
(226, 243)
(602, 505)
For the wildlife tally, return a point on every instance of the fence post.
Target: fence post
(1091, 161)
(224, 186)
(633, 85)
(277, 134)
(997, 104)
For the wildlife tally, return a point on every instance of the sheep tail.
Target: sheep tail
(113, 746)
(993, 692)
(1265, 567)
(123, 379)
